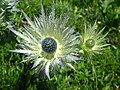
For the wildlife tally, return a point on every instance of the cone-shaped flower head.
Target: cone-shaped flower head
(92, 41)
(48, 42)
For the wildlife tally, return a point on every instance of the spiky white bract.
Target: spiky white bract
(12, 5)
(1, 19)
(92, 41)
(39, 38)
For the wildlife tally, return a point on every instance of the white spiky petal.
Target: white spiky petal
(48, 26)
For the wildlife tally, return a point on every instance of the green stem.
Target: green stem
(94, 72)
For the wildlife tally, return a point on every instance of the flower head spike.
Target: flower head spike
(2, 24)
(12, 5)
(93, 42)
(48, 42)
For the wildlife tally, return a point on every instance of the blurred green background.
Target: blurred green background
(103, 74)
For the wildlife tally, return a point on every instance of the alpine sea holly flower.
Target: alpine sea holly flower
(48, 42)
(92, 41)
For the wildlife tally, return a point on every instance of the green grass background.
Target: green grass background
(102, 74)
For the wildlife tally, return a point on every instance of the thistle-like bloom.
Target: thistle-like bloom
(93, 42)
(48, 42)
